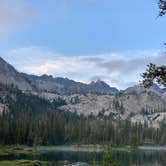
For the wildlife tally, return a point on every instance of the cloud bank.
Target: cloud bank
(13, 13)
(121, 69)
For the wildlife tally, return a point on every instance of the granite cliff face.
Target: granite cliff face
(143, 107)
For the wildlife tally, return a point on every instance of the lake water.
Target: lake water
(150, 156)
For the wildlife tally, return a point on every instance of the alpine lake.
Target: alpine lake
(83, 156)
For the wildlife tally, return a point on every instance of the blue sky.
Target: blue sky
(70, 37)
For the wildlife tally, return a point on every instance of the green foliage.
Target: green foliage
(108, 159)
(162, 7)
(75, 100)
(154, 74)
(58, 102)
(134, 141)
(23, 163)
(34, 121)
(94, 163)
(37, 141)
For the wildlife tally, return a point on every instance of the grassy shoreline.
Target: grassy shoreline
(26, 150)
(38, 150)
(18, 150)
(34, 151)
(23, 163)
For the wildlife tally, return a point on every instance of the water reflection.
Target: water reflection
(139, 158)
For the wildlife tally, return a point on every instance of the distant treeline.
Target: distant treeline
(36, 121)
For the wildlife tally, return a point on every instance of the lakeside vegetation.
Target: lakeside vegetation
(18, 150)
(29, 151)
(61, 158)
(33, 151)
(23, 163)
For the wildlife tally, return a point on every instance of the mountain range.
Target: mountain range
(59, 85)
(135, 103)
(25, 82)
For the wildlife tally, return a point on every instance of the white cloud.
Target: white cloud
(118, 69)
(13, 13)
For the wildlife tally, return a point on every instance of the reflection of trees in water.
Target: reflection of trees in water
(146, 158)
(140, 158)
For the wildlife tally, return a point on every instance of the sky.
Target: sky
(84, 40)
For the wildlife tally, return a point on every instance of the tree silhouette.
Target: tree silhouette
(162, 7)
(155, 73)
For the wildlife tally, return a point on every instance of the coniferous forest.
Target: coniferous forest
(30, 120)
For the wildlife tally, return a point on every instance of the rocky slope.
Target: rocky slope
(135, 103)
(139, 89)
(143, 107)
(66, 86)
(8, 75)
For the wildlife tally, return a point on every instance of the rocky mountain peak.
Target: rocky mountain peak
(9, 75)
(103, 86)
(139, 89)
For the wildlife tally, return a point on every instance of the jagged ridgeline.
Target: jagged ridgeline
(47, 83)
(48, 111)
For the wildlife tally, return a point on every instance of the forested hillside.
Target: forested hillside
(30, 120)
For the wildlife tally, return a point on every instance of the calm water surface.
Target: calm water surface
(150, 156)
